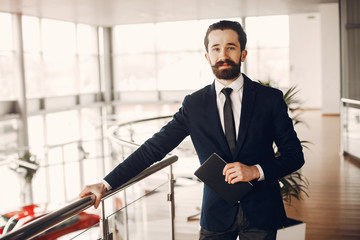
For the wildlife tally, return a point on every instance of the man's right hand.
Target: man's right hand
(97, 189)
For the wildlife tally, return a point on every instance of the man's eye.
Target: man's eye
(231, 48)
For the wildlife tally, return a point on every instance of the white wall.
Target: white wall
(305, 58)
(330, 54)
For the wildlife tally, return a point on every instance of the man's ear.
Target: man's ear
(243, 55)
(207, 57)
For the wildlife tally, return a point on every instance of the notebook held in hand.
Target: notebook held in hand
(211, 173)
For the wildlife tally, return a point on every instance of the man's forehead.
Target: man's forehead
(226, 36)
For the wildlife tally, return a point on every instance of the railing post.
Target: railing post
(126, 217)
(171, 198)
(103, 222)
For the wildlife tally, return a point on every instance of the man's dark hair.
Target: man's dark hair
(225, 24)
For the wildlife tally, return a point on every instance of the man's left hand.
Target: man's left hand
(238, 172)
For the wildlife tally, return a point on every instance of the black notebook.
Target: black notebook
(211, 173)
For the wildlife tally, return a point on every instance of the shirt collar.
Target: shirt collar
(235, 85)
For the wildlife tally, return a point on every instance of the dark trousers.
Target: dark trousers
(242, 229)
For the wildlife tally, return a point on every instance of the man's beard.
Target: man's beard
(227, 73)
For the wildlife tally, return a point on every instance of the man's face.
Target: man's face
(224, 54)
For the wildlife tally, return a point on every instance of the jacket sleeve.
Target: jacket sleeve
(152, 150)
(291, 156)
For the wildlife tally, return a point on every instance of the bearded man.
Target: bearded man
(239, 120)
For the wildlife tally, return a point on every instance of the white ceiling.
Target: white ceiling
(114, 12)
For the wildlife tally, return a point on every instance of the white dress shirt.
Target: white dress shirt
(236, 98)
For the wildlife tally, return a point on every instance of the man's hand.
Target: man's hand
(238, 172)
(97, 189)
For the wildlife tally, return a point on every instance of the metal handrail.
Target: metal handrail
(42, 224)
(350, 101)
(143, 120)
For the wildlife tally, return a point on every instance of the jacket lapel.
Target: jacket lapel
(247, 107)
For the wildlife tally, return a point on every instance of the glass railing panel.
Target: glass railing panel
(351, 128)
(143, 210)
(91, 233)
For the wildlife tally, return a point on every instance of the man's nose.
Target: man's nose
(223, 55)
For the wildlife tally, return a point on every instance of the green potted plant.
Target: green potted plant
(26, 167)
(294, 185)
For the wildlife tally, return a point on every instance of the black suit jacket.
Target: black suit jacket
(264, 120)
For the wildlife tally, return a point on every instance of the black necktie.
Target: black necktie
(229, 120)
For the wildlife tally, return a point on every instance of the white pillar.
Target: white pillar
(305, 58)
(330, 58)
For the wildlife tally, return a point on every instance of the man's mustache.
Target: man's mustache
(227, 61)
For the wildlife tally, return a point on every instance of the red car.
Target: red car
(16, 219)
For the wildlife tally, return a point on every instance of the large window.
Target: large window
(8, 145)
(88, 62)
(8, 66)
(161, 56)
(61, 58)
(268, 49)
(71, 156)
(170, 55)
(8, 135)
